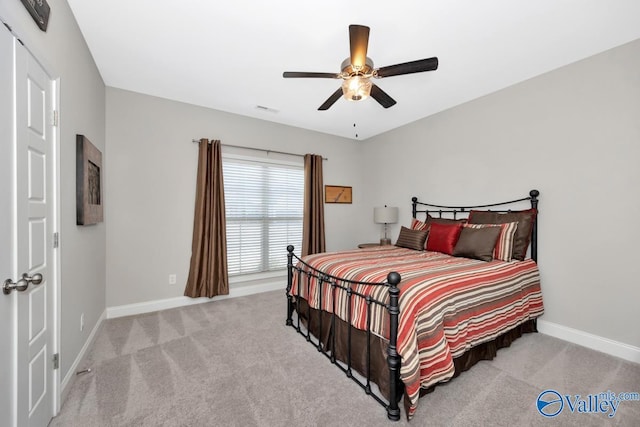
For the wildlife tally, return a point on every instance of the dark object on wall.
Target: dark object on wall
(88, 182)
(39, 11)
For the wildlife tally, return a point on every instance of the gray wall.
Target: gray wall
(574, 134)
(151, 188)
(64, 54)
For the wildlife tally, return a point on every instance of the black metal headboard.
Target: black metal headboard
(455, 212)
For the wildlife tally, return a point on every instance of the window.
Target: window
(264, 206)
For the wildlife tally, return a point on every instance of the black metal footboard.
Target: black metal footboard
(305, 274)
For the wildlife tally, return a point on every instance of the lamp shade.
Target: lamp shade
(385, 215)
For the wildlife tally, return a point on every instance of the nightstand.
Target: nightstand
(369, 245)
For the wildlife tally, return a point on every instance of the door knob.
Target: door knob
(22, 284)
(9, 285)
(36, 279)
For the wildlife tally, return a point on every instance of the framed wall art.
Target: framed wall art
(39, 11)
(89, 199)
(337, 194)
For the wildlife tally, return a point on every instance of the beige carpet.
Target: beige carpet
(235, 363)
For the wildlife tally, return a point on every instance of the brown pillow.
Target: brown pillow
(504, 246)
(523, 232)
(477, 243)
(445, 220)
(424, 225)
(412, 239)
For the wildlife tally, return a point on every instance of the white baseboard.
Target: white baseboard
(585, 339)
(164, 304)
(67, 380)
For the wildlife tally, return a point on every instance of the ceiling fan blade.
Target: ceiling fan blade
(382, 97)
(358, 41)
(331, 100)
(302, 74)
(418, 66)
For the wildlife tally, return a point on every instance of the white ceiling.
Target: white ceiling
(230, 55)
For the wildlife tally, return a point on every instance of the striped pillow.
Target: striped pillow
(504, 246)
(419, 225)
(412, 239)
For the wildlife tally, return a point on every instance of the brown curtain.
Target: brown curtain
(208, 274)
(313, 220)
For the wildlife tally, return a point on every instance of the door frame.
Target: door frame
(57, 251)
(55, 279)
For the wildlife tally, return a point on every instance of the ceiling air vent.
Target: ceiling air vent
(267, 109)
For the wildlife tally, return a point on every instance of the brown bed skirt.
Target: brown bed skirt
(379, 370)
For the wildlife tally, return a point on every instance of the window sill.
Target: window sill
(250, 279)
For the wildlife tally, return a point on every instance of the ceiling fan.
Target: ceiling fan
(357, 71)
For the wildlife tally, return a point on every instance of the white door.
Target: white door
(7, 304)
(32, 227)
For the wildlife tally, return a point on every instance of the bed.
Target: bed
(460, 283)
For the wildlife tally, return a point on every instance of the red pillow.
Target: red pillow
(443, 237)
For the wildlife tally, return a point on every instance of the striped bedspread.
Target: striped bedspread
(447, 304)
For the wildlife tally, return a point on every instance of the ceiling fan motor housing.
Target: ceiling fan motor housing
(349, 71)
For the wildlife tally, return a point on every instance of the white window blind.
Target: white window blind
(264, 207)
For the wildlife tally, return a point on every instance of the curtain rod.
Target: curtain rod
(260, 149)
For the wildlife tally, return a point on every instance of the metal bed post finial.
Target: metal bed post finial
(534, 198)
(289, 284)
(393, 411)
(414, 208)
(534, 228)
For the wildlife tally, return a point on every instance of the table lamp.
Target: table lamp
(385, 215)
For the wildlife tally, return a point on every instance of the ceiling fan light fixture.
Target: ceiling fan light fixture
(356, 88)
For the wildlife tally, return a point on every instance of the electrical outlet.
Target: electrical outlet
(172, 279)
(81, 322)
